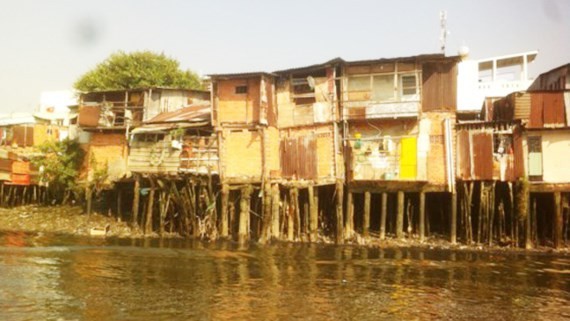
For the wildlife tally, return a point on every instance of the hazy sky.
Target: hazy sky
(47, 45)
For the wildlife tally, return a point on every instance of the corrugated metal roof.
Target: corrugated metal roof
(199, 112)
(423, 57)
(242, 75)
(337, 60)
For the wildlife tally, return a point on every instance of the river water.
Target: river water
(50, 277)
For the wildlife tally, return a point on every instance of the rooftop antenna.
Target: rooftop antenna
(444, 31)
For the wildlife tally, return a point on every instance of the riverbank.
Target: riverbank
(72, 220)
(63, 220)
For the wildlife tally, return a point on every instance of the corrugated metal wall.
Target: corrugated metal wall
(547, 110)
(439, 89)
(482, 146)
(299, 157)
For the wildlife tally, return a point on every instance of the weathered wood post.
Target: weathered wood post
(314, 213)
(224, 214)
(149, 209)
(290, 215)
(383, 215)
(366, 219)
(339, 210)
(453, 217)
(89, 196)
(136, 200)
(267, 219)
(422, 216)
(243, 232)
(275, 203)
(558, 221)
(528, 221)
(400, 217)
(349, 224)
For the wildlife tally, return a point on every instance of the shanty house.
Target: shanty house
(308, 115)
(245, 119)
(105, 119)
(176, 141)
(398, 118)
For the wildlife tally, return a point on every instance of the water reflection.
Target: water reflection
(63, 278)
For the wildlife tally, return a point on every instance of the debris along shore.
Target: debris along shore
(63, 219)
(71, 220)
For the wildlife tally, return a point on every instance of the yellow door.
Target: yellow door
(408, 158)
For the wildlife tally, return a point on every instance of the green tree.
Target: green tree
(59, 166)
(140, 69)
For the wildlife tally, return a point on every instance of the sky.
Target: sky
(47, 45)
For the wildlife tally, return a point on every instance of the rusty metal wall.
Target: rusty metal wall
(553, 109)
(482, 145)
(299, 158)
(439, 88)
(463, 155)
(89, 116)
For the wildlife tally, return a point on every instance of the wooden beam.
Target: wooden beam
(224, 215)
(349, 224)
(422, 216)
(275, 204)
(383, 215)
(558, 220)
(339, 215)
(136, 201)
(453, 217)
(400, 217)
(245, 204)
(366, 219)
(313, 213)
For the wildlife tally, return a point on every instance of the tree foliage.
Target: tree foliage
(59, 165)
(140, 69)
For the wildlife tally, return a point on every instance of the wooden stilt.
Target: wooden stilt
(528, 221)
(453, 217)
(119, 203)
(224, 214)
(400, 217)
(558, 222)
(267, 219)
(290, 215)
(136, 201)
(149, 209)
(422, 209)
(366, 219)
(245, 204)
(89, 196)
(275, 204)
(297, 217)
(339, 210)
(349, 224)
(383, 215)
(313, 213)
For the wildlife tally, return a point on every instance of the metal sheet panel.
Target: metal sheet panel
(463, 155)
(89, 116)
(482, 145)
(536, 120)
(439, 90)
(553, 109)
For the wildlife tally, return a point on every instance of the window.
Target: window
(408, 85)
(359, 83)
(241, 89)
(383, 87)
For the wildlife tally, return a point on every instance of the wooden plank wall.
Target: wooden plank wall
(439, 86)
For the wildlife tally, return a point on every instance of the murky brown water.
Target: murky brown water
(62, 278)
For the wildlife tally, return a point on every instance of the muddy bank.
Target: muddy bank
(64, 220)
(71, 220)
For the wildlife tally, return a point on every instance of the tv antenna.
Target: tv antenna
(444, 31)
